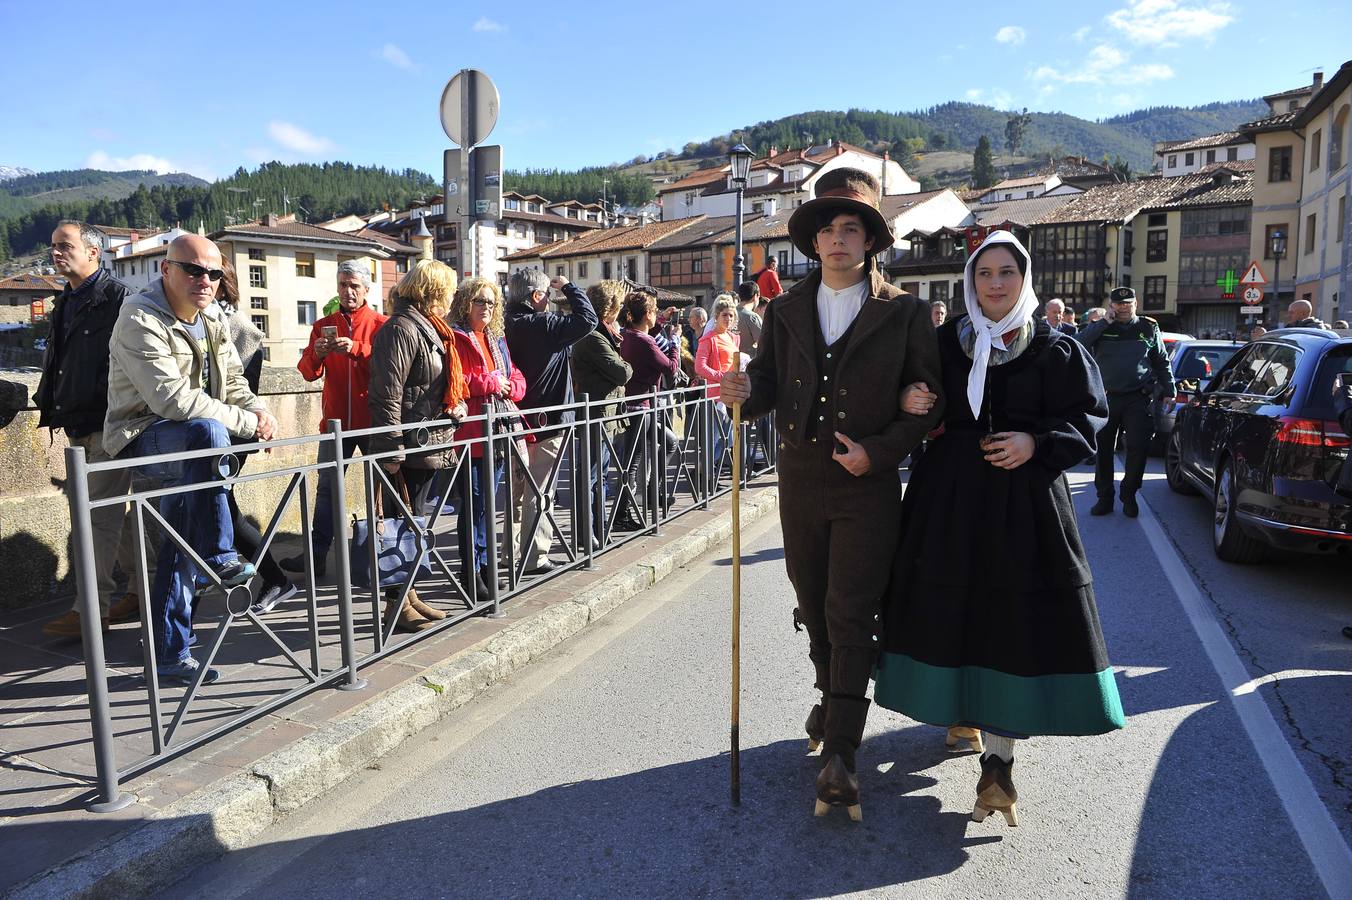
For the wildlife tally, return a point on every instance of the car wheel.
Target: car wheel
(1231, 542)
(1173, 466)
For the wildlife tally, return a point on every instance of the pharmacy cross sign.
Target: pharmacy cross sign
(1228, 282)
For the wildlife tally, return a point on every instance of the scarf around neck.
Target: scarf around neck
(987, 335)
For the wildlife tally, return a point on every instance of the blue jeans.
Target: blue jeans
(201, 516)
(321, 531)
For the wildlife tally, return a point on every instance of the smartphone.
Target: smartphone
(330, 333)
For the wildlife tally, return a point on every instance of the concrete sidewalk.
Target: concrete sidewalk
(211, 799)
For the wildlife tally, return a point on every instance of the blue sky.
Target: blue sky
(205, 88)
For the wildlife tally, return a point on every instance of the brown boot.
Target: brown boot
(67, 626)
(995, 790)
(838, 786)
(422, 609)
(126, 608)
(409, 620)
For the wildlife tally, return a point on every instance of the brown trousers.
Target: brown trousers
(840, 534)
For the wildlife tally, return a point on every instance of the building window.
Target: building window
(1316, 147)
(607, 270)
(401, 264)
(1173, 160)
(1338, 141)
(1210, 157)
(1231, 154)
(521, 229)
(1203, 268)
(502, 227)
(258, 303)
(257, 253)
(1267, 237)
(664, 268)
(305, 265)
(1309, 233)
(509, 203)
(1157, 245)
(938, 290)
(1189, 158)
(305, 312)
(1216, 221)
(758, 207)
(582, 270)
(697, 266)
(1279, 164)
(1158, 220)
(1342, 220)
(258, 276)
(1153, 295)
(261, 323)
(631, 269)
(558, 270)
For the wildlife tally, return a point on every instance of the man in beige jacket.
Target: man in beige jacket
(175, 384)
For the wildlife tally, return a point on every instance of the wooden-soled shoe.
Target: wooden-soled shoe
(995, 791)
(838, 786)
(962, 733)
(816, 728)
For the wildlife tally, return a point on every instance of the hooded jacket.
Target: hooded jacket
(539, 342)
(347, 376)
(155, 365)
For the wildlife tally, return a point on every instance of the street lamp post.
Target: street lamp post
(1278, 248)
(740, 158)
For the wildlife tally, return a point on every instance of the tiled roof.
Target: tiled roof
(1074, 167)
(698, 178)
(1026, 181)
(633, 237)
(971, 195)
(1109, 202)
(1294, 92)
(115, 231)
(149, 251)
(1020, 212)
(664, 297)
(385, 241)
(1271, 123)
(893, 205)
(707, 232)
(296, 230)
(27, 281)
(1205, 190)
(765, 228)
(1211, 140)
(1241, 166)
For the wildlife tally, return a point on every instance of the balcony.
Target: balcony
(797, 270)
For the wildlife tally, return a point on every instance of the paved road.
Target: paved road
(602, 770)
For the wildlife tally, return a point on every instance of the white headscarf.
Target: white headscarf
(987, 332)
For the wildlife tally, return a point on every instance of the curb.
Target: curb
(228, 814)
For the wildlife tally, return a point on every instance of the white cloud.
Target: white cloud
(485, 24)
(100, 160)
(1080, 34)
(395, 56)
(1011, 34)
(297, 139)
(1167, 23)
(1104, 64)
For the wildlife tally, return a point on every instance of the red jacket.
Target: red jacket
(479, 377)
(768, 282)
(346, 375)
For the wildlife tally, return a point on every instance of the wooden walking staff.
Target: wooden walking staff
(742, 360)
(736, 597)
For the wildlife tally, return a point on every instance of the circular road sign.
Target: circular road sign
(475, 90)
(1252, 295)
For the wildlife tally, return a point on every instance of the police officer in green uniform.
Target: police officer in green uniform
(1130, 354)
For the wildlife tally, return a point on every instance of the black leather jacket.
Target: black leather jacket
(73, 392)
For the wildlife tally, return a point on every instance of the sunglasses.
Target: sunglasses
(196, 271)
(489, 304)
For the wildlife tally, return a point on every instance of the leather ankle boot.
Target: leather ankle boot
(838, 785)
(422, 609)
(816, 726)
(995, 790)
(408, 620)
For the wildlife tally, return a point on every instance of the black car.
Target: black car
(1193, 363)
(1262, 441)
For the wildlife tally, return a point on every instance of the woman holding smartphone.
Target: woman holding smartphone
(991, 622)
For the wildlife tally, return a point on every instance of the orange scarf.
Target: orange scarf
(457, 390)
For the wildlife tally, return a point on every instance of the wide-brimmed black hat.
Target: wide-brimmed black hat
(845, 190)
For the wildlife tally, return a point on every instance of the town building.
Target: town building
(288, 274)
(781, 180)
(136, 260)
(611, 253)
(690, 261)
(19, 292)
(1323, 257)
(1029, 187)
(1175, 158)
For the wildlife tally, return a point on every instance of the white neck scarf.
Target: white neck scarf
(987, 332)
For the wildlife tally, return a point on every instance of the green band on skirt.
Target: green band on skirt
(1074, 704)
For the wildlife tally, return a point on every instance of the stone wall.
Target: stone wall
(34, 517)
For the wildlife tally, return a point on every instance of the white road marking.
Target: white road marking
(1285, 675)
(1328, 852)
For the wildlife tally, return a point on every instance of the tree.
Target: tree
(938, 140)
(1015, 126)
(903, 154)
(1121, 168)
(983, 164)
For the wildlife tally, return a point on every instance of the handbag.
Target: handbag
(397, 544)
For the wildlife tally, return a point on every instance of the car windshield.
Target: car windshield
(1338, 360)
(1202, 362)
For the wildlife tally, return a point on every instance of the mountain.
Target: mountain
(35, 190)
(8, 172)
(960, 125)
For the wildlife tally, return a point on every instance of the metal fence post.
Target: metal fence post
(657, 482)
(490, 508)
(86, 580)
(583, 501)
(344, 573)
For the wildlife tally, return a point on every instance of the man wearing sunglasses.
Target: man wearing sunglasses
(175, 384)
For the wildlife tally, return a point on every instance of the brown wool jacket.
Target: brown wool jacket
(893, 345)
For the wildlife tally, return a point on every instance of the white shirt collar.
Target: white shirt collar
(836, 310)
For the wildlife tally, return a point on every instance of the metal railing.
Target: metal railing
(656, 464)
